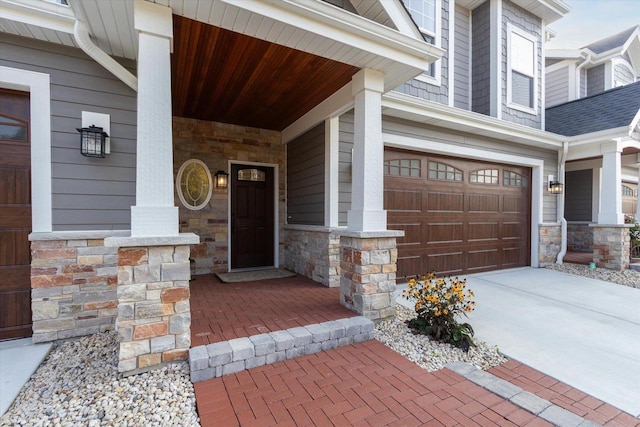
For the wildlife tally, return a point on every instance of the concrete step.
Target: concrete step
(229, 357)
(635, 266)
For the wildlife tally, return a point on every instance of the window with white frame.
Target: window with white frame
(426, 15)
(522, 52)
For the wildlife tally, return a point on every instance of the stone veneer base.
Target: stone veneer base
(228, 357)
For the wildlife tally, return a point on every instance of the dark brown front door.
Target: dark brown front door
(459, 216)
(251, 216)
(15, 215)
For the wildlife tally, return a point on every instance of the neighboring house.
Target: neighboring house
(606, 64)
(593, 97)
(354, 141)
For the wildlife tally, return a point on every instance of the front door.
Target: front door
(252, 228)
(15, 215)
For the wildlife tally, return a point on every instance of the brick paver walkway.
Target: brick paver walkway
(558, 393)
(223, 311)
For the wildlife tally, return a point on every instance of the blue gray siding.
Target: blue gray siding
(481, 60)
(344, 166)
(520, 18)
(595, 80)
(428, 91)
(557, 87)
(88, 194)
(305, 178)
(462, 59)
(578, 194)
(583, 83)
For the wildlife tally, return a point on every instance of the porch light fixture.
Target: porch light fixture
(92, 141)
(556, 187)
(222, 180)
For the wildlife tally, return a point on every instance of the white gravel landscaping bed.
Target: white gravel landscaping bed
(629, 278)
(78, 385)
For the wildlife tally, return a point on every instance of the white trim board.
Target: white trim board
(536, 165)
(37, 84)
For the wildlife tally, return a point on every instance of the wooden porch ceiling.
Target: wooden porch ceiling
(224, 76)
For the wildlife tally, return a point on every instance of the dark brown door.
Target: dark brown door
(252, 216)
(459, 216)
(15, 215)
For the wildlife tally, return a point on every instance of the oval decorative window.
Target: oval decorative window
(193, 184)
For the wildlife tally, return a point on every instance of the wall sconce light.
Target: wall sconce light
(555, 187)
(92, 141)
(222, 180)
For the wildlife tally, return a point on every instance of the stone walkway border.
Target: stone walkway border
(536, 405)
(229, 357)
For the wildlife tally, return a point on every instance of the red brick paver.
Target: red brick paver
(223, 311)
(363, 384)
(563, 395)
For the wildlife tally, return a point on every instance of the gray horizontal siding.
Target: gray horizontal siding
(305, 178)
(578, 195)
(557, 87)
(88, 194)
(481, 60)
(595, 80)
(462, 58)
(344, 167)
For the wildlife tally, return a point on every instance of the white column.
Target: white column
(154, 213)
(367, 213)
(638, 194)
(331, 169)
(611, 193)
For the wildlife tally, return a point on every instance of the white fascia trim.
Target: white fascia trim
(536, 165)
(39, 13)
(401, 18)
(563, 53)
(634, 127)
(345, 27)
(567, 63)
(457, 117)
(37, 84)
(336, 104)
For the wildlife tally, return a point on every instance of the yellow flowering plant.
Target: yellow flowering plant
(438, 301)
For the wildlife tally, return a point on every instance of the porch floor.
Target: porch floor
(223, 311)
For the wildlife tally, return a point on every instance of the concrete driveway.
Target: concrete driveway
(581, 331)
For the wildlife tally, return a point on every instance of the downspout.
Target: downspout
(81, 37)
(562, 159)
(579, 76)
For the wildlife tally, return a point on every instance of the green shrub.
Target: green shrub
(437, 303)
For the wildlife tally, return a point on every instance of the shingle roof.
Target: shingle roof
(616, 40)
(607, 110)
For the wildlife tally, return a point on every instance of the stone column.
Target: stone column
(154, 316)
(611, 246)
(367, 208)
(154, 213)
(368, 272)
(549, 243)
(611, 194)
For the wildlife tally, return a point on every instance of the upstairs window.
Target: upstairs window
(426, 15)
(522, 70)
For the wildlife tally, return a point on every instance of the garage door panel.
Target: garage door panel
(410, 266)
(403, 200)
(482, 260)
(483, 231)
(445, 202)
(412, 233)
(444, 233)
(445, 263)
(477, 220)
(484, 203)
(515, 204)
(511, 230)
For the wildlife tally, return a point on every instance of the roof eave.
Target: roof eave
(407, 107)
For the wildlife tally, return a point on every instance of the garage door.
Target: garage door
(459, 216)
